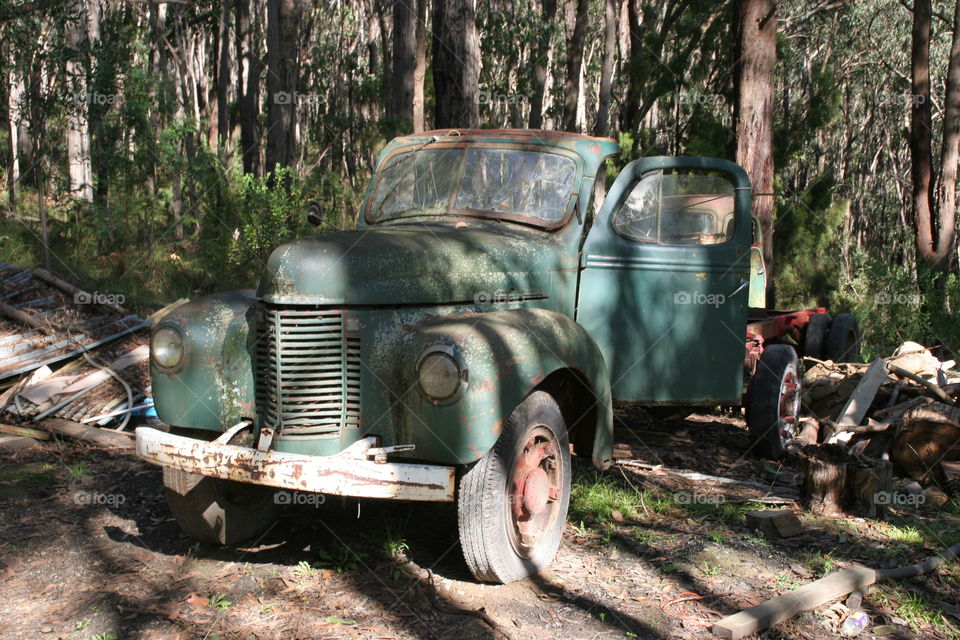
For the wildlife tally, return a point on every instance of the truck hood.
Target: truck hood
(475, 261)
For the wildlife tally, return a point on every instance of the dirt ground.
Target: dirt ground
(88, 551)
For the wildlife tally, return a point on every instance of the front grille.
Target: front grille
(308, 371)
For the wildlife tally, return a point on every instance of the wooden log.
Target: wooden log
(809, 431)
(22, 317)
(15, 443)
(66, 287)
(24, 432)
(810, 596)
(82, 432)
(860, 400)
(823, 491)
(895, 413)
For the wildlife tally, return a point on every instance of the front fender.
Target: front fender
(213, 386)
(508, 354)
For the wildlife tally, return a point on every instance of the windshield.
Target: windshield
(499, 183)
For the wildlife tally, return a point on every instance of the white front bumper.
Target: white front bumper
(348, 473)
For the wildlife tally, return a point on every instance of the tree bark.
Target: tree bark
(248, 83)
(947, 213)
(602, 127)
(223, 74)
(757, 57)
(921, 127)
(14, 96)
(456, 59)
(404, 64)
(541, 67)
(420, 70)
(78, 118)
(571, 86)
(283, 34)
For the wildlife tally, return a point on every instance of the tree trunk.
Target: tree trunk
(757, 57)
(14, 96)
(283, 34)
(947, 217)
(78, 118)
(420, 70)
(223, 75)
(456, 59)
(404, 65)
(248, 83)
(921, 127)
(541, 67)
(571, 86)
(602, 127)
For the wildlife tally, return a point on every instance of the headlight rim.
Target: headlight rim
(183, 348)
(450, 352)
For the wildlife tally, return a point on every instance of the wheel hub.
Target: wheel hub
(535, 490)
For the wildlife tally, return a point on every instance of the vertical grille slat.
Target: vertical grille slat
(308, 371)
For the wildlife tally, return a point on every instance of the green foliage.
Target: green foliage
(806, 246)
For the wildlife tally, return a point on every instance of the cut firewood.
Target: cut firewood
(895, 413)
(82, 432)
(926, 438)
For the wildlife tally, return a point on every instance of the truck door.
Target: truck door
(664, 280)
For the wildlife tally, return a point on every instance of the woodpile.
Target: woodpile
(897, 416)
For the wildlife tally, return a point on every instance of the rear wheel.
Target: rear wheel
(513, 503)
(774, 404)
(815, 336)
(218, 511)
(843, 341)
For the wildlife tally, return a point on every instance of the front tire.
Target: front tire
(218, 511)
(513, 503)
(774, 405)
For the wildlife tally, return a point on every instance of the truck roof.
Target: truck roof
(592, 149)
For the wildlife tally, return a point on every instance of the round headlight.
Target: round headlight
(439, 375)
(166, 347)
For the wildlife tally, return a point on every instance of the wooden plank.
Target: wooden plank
(24, 432)
(860, 400)
(82, 432)
(810, 596)
(54, 387)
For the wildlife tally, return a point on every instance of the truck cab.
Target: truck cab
(468, 338)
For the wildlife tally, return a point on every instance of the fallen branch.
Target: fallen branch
(931, 387)
(13, 430)
(24, 318)
(813, 595)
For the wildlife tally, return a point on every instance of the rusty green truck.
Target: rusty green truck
(470, 335)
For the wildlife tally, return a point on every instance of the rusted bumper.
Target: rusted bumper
(349, 473)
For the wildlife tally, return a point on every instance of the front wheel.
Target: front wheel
(218, 511)
(774, 405)
(513, 503)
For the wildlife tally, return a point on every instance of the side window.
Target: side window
(678, 208)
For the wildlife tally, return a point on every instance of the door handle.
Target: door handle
(743, 285)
